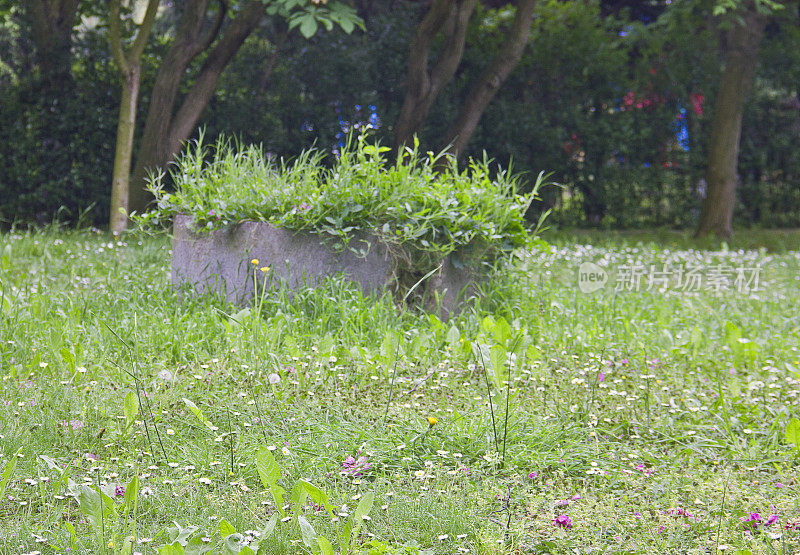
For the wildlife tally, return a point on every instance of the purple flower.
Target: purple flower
(771, 520)
(119, 490)
(74, 424)
(643, 469)
(302, 207)
(354, 467)
(751, 522)
(563, 521)
(601, 377)
(533, 475)
(679, 511)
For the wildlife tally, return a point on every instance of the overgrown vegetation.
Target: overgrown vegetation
(541, 419)
(422, 207)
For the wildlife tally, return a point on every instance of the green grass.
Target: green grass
(644, 403)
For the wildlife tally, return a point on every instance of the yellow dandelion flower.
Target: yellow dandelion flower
(432, 421)
(254, 262)
(265, 269)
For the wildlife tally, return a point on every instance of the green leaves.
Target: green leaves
(268, 469)
(308, 26)
(325, 546)
(308, 17)
(198, 413)
(363, 509)
(792, 433)
(317, 496)
(225, 528)
(389, 348)
(453, 337)
(130, 408)
(93, 504)
(269, 472)
(308, 533)
(5, 477)
(181, 536)
(502, 332)
(132, 493)
(497, 359)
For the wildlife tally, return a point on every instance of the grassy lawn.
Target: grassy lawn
(652, 419)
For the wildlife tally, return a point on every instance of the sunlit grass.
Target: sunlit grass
(630, 409)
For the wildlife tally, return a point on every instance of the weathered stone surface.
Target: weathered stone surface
(219, 261)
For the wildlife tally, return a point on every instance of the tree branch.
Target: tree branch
(453, 51)
(488, 83)
(115, 37)
(423, 86)
(144, 30)
(66, 12)
(417, 79)
(198, 97)
(211, 33)
(273, 58)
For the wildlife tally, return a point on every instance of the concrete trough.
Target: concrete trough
(219, 261)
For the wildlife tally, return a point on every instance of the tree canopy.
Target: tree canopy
(647, 112)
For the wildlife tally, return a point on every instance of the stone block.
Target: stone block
(220, 261)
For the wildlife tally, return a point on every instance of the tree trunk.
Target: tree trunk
(189, 42)
(726, 126)
(192, 107)
(52, 22)
(165, 129)
(489, 82)
(129, 64)
(263, 83)
(422, 85)
(118, 219)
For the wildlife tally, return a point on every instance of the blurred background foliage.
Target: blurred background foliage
(610, 97)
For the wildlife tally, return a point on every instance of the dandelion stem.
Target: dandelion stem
(505, 423)
(230, 437)
(260, 416)
(391, 381)
(721, 515)
(508, 510)
(508, 395)
(489, 394)
(142, 398)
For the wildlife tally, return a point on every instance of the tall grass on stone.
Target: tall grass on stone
(422, 207)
